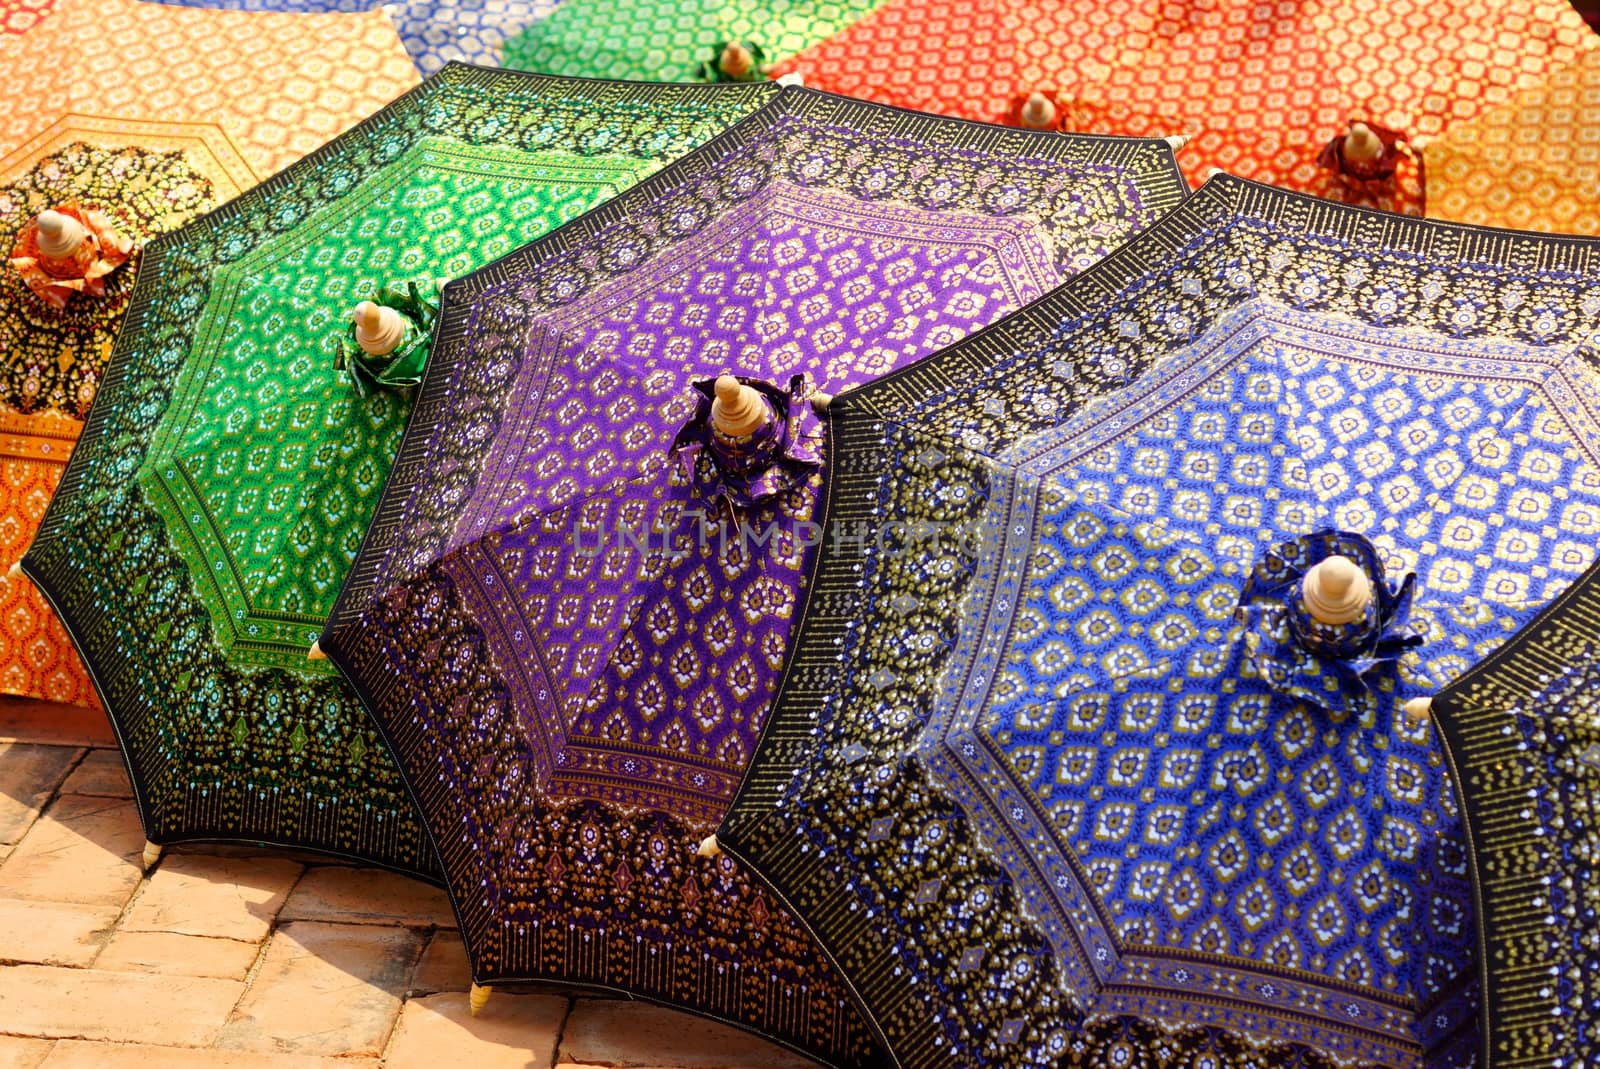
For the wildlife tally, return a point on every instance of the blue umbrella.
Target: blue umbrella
(1104, 722)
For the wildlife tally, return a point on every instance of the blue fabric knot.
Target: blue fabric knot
(1329, 665)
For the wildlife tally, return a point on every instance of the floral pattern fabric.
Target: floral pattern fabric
(1100, 478)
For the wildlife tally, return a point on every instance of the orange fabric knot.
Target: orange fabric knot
(55, 281)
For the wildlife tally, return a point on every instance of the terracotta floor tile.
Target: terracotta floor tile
(54, 933)
(81, 850)
(29, 775)
(223, 897)
(71, 1054)
(512, 1032)
(367, 896)
(178, 955)
(325, 989)
(18, 1053)
(102, 773)
(618, 1033)
(444, 965)
(38, 1000)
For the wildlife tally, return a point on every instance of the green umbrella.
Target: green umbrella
(676, 40)
(222, 486)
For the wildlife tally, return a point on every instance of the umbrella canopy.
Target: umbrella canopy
(145, 135)
(19, 16)
(1064, 742)
(1532, 162)
(435, 32)
(572, 610)
(1265, 89)
(675, 40)
(1522, 731)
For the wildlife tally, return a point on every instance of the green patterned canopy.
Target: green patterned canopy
(222, 486)
(670, 40)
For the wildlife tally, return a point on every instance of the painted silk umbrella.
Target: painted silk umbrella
(573, 606)
(435, 32)
(1532, 162)
(673, 40)
(1057, 744)
(1265, 89)
(1522, 731)
(201, 107)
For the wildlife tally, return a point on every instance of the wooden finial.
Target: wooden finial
(1336, 591)
(1177, 141)
(1418, 708)
(379, 328)
(478, 998)
(735, 60)
(1361, 145)
(709, 847)
(1038, 113)
(738, 409)
(60, 235)
(152, 854)
(15, 571)
(315, 652)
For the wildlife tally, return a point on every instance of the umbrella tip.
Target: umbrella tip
(59, 234)
(1418, 708)
(478, 998)
(792, 78)
(1336, 591)
(1177, 141)
(1361, 145)
(709, 847)
(152, 854)
(379, 328)
(1037, 112)
(15, 571)
(738, 409)
(315, 652)
(735, 60)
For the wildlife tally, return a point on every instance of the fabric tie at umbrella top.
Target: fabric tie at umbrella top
(1056, 728)
(1261, 89)
(216, 501)
(1522, 731)
(139, 116)
(572, 610)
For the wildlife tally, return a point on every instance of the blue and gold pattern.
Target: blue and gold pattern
(1522, 731)
(1057, 676)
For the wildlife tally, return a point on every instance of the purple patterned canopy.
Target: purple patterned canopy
(562, 621)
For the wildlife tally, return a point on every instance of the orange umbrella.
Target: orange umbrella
(1532, 163)
(128, 119)
(1263, 88)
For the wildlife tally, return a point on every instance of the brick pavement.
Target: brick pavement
(231, 958)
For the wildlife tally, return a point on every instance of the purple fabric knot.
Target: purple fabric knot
(748, 470)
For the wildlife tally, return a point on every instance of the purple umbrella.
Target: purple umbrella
(573, 610)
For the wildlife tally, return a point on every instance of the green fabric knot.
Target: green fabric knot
(417, 301)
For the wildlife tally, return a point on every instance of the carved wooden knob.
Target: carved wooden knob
(1038, 113)
(735, 60)
(738, 409)
(59, 235)
(379, 328)
(1361, 145)
(1336, 591)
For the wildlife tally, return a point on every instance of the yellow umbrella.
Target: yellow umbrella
(1532, 163)
(132, 118)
